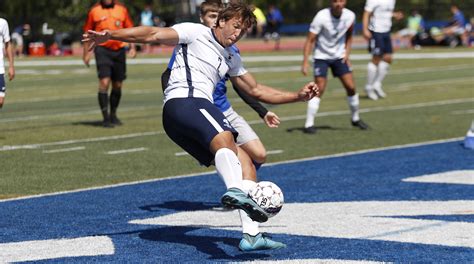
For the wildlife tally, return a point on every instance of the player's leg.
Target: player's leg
(201, 129)
(119, 74)
(2, 90)
(247, 138)
(347, 81)
(376, 49)
(252, 238)
(103, 97)
(115, 97)
(104, 71)
(383, 66)
(320, 73)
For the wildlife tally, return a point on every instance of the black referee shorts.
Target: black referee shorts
(111, 63)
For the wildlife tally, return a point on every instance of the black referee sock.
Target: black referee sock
(104, 104)
(115, 96)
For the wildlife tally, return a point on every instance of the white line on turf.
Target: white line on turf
(269, 164)
(85, 140)
(354, 57)
(63, 150)
(56, 248)
(463, 112)
(123, 151)
(298, 117)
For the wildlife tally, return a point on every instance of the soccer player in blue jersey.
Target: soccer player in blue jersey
(204, 57)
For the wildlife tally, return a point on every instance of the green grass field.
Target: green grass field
(50, 138)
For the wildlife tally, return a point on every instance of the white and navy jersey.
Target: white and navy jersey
(4, 37)
(382, 12)
(200, 63)
(331, 33)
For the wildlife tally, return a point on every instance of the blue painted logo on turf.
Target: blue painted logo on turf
(402, 205)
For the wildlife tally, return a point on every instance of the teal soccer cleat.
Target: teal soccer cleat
(259, 242)
(235, 198)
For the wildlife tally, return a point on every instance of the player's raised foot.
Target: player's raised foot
(114, 120)
(309, 130)
(235, 198)
(360, 124)
(259, 242)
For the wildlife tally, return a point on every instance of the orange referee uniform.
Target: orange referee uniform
(114, 18)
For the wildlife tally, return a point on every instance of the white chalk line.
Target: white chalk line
(290, 118)
(124, 151)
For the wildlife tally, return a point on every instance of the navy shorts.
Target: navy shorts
(380, 44)
(111, 63)
(192, 123)
(2, 85)
(338, 68)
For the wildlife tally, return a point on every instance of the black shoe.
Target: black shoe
(309, 130)
(106, 123)
(115, 121)
(360, 124)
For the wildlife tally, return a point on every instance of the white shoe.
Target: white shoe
(379, 91)
(369, 90)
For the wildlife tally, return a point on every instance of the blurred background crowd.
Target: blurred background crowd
(53, 27)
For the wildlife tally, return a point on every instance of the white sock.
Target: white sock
(228, 167)
(313, 107)
(248, 225)
(382, 70)
(371, 75)
(353, 102)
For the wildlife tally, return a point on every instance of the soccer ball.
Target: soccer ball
(268, 196)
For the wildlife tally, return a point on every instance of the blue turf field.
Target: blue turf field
(191, 230)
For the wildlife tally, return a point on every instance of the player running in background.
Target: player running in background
(5, 43)
(377, 22)
(203, 58)
(252, 153)
(110, 56)
(331, 31)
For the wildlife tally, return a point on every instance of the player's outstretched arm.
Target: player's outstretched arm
(271, 95)
(308, 46)
(141, 34)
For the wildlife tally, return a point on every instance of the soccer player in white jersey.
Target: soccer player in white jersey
(377, 22)
(330, 34)
(190, 118)
(5, 43)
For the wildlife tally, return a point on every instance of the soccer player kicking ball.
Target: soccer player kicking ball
(190, 119)
(251, 152)
(331, 31)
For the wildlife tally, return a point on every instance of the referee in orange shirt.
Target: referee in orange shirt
(110, 56)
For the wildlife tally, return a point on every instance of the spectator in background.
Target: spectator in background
(147, 19)
(261, 21)
(274, 22)
(110, 56)
(5, 43)
(457, 25)
(18, 38)
(415, 25)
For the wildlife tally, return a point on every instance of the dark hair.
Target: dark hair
(210, 6)
(240, 10)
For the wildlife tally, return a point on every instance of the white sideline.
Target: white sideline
(298, 117)
(354, 57)
(269, 164)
